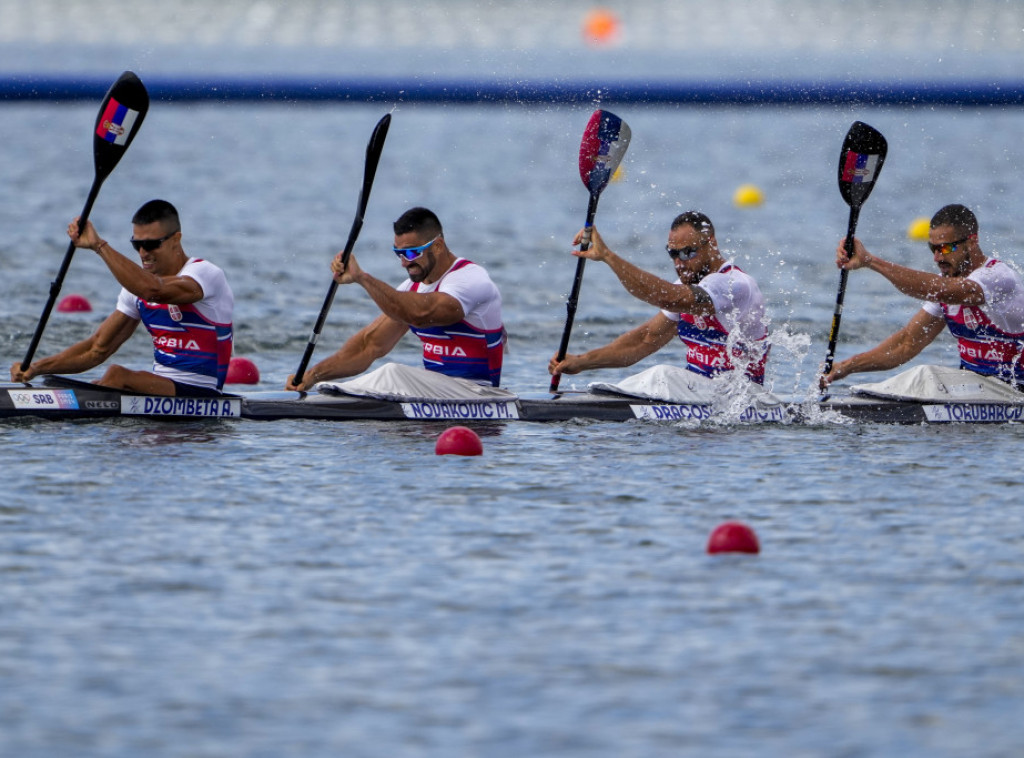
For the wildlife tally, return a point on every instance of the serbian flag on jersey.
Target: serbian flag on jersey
(860, 168)
(116, 123)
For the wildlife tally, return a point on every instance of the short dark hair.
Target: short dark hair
(419, 220)
(158, 210)
(699, 221)
(960, 217)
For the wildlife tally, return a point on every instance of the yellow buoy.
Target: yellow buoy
(918, 229)
(600, 27)
(748, 196)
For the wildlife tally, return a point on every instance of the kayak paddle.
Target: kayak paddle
(373, 150)
(121, 114)
(860, 162)
(604, 143)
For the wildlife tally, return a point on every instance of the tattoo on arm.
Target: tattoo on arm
(701, 298)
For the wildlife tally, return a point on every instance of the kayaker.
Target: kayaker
(716, 309)
(185, 303)
(448, 302)
(980, 299)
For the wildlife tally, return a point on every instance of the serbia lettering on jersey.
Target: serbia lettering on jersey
(985, 348)
(186, 341)
(990, 337)
(708, 352)
(462, 350)
(191, 343)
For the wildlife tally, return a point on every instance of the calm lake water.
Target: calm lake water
(324, 589)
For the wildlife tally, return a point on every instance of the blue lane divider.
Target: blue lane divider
(529, 91)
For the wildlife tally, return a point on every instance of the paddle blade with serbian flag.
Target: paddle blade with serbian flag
(860, 162)
(121, 113)
(124, 107)
(604, 143)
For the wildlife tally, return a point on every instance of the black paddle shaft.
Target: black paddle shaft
(56, 284)
(862, 143)
(373, 152)
(111, 137)
(837, 314)
(574, 294)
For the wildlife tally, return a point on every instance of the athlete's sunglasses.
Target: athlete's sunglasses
(682, 253)
(945, 248)
(150, 245)
(412, 253)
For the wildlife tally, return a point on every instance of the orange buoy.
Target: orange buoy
(74, 304)
(733, 537)
(242, 371)
(458, 440)
(600, 27)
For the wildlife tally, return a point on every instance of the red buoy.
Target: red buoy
(74, 304)
(459, 440)
(733, 537)
(242, 371)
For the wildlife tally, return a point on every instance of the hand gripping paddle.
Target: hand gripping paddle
(860, 162)
(373, 150)
(604, 143)
(124, 107)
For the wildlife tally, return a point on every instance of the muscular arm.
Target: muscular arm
(420, 309)
(84, 355)
(924, 286)
(954, 290)
(893, 351)
(373, 341)
(176, 290)
(625, 350)
(678, 298)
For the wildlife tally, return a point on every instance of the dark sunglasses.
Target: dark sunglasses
(150, 245)
(947, 247)
(412, 253)
(682, 253)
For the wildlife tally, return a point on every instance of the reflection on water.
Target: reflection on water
(173, 434)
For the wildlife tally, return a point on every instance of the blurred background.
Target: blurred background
(663, 39)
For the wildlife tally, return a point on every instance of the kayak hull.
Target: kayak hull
(61, 398)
